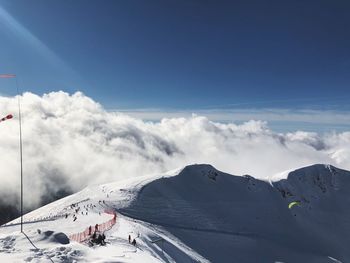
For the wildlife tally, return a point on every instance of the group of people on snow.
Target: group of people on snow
(98, 238)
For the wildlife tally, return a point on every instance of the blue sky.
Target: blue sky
(181, 54)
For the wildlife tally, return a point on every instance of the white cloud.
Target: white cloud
(325, 117)
(71, 141)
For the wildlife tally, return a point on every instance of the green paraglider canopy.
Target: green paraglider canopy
(293, 204)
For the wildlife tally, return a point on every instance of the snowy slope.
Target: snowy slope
(225, 217)
(14, 246)
(197, 214)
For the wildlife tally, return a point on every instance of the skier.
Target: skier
(103, 242)
(129, 239)
(96, 227)
(99, 239)
(134, 242)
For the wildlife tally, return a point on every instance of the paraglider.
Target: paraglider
(6, 118)
(293, 204)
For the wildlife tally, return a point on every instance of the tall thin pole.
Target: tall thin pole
(20, 149)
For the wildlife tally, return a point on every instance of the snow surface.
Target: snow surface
(195, 214)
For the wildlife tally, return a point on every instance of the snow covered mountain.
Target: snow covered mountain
(195, 214)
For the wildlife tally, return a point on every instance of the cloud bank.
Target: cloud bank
(71, 141)
(280, 119)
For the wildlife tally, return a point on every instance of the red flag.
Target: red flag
(7, 76)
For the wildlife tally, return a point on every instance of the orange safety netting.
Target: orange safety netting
(83, 236)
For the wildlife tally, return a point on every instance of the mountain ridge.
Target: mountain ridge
(218, 217)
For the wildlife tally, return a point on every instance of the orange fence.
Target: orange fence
(83, 236)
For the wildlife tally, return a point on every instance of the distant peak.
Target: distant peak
(317, 167)
(199, 166)
(195, 168)
(200, 169)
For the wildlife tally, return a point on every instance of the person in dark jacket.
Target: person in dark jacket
(103, 242)
(99, 239)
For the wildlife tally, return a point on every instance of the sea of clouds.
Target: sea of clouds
(71, 141)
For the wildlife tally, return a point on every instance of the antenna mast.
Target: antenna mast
(7, 76)
(20, 149)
